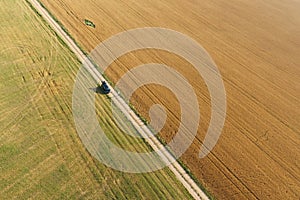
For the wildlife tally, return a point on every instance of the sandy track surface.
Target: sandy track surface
(256, 46)
(176, 168)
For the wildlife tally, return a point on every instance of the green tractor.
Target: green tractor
(89, 23)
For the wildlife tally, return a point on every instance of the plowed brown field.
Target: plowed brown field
(256, 45)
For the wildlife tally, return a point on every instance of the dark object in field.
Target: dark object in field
(104, 89)
(89, 23)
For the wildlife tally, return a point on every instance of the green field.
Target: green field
(41, 155)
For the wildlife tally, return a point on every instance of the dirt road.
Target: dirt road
(176, 168)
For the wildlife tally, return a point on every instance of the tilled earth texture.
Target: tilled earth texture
(255, 45)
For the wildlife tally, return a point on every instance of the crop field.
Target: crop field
(256, 46)
(41, 155)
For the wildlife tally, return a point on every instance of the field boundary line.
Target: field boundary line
(195, 191)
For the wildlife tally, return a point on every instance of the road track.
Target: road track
(175, 167)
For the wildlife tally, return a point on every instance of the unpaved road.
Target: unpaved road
(176, 168)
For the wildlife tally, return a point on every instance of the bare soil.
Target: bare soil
(256, 46)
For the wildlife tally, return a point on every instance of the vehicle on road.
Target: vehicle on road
(104, 88)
